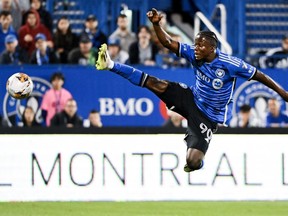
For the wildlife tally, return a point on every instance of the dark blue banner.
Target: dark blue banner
(119, 102)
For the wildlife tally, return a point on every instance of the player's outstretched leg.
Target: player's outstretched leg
(194, 160)
(134, 75)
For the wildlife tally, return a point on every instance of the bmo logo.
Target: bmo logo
(131, 107)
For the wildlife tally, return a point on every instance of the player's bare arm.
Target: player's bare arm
(268, 81)
(165, 39)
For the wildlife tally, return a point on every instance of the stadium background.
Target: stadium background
(233, 162)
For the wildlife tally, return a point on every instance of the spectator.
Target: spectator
(24, 5)
(169, 59)
(154, 38)
(28, 32)
(92, 30)
(45, 16)
(16, 8)
(54, 100)
(6, 28)
(64, 39)
(246, 118)
(174, 121)
(276, 57)
(94, 119)
(43, 54)
(68, 117)
(123, 33)
(275, 118)
(115, 51)
(13, 55)
(143, 51)
(28, 118)
(85, 54)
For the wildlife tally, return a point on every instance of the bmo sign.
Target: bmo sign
(131, 107)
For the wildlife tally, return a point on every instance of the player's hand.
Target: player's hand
(154, 16)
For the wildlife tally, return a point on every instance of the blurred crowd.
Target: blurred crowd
(27, 37)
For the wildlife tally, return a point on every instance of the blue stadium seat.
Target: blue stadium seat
(266, 23)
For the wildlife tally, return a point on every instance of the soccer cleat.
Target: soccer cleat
(103, 58)
(187, 168)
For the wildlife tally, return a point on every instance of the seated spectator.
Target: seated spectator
(85, 54)
(45, 16)
(6, 28)
(143, 51)
(68, 117)
(115, 52)
(31, 28)
(54, 99)
(169, 59)
(16, 8)
(94, 119)
(92, 30)
(43, 54)
(275, 118)
(28, 118)
(13, 55)
(123, 33)
(276, 57)
(175, 120)
(64, 39)
(246, 118)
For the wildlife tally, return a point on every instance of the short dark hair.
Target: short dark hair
(211, 36)
(122, 16)
(5, 13)
(57, 75)
(144, 27)
(94, 111)
(285, 37)
(245, 108)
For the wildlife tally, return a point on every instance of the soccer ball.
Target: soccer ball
(19, 86)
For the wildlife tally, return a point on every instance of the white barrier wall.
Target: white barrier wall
(141, 167)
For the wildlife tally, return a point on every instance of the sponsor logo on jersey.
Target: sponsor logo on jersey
(203, 77)
(13, 109)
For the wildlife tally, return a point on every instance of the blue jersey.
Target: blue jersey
(282, 120)
(215, 82)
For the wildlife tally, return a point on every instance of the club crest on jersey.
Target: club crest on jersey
(217, 84)
(220, 73)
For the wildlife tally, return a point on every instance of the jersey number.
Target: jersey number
(208, 131)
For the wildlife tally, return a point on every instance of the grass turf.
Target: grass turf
(144, 208)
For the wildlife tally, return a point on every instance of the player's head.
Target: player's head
(205, 45)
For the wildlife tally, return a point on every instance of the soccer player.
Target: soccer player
(205, 104)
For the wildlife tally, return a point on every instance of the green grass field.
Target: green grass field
(144, 208)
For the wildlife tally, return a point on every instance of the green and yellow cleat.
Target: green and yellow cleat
(187, 168)
(103, 58)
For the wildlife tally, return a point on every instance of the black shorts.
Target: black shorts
(179, 98)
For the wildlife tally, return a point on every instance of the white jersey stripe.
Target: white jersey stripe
(230, 98)
(231, 59)
(237, 65)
